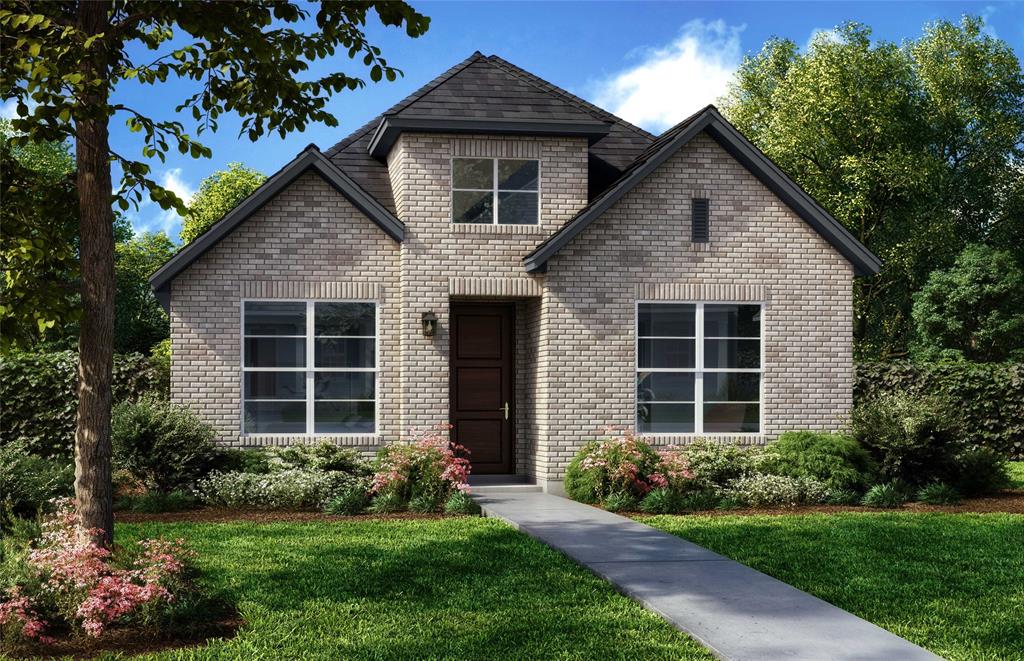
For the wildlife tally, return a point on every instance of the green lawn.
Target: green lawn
(953, 583)
(466, 588)
(1016, 474)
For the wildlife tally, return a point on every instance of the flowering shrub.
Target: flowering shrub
(622, 464)
(286, 489)
(73, 583)
(761, 490)
(422, 474)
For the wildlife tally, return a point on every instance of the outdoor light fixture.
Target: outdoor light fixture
(429, 321)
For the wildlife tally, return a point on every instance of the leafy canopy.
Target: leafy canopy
(139, 321)
(973, 310)
(218, 194)
(912, 147)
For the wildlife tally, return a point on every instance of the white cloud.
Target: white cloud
(163, 220)
(674, 81)
(9, 109)
(825, 34)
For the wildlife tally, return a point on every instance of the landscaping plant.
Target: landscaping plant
(938, 493)
(888, 495)
(420, 475)
(715, 464)
(763, 490)
(28, 482)
(981, 470)
(622, 465)
(837, 460)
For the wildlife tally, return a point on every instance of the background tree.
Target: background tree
(218, 194)
(139, 321)
(973, 310)
(912, 147)
(245, 58)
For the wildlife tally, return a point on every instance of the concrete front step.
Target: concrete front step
(489, 489)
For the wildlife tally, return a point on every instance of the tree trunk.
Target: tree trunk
(93, 484)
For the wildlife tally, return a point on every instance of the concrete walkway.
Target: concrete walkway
(737, 612)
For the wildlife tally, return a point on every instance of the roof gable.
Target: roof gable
(311, 159)
(725, 134)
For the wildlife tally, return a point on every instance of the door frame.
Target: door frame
(510, 306)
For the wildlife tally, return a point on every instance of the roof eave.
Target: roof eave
(310, 158)
(391, 126)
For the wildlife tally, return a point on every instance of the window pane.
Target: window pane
(743, 354)
(275, 385)
(664, 386)
(275, 352)
(664, 418)
(732, 321)
(517, 208)
(517, 175)
(275, 318)
(473, 207)
(732, 387)
(345, 319)
(669, 320)
(731, 418)
(345, 352)
(275, 418)
(473, 173)
(344, 385)
(344, 418)
(667, 353)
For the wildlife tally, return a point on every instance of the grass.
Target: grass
(953, 583)
(452, 588)
(1016, 469)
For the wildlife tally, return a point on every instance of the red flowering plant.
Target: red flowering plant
(70, 584)
(620, 465)
(420, 474)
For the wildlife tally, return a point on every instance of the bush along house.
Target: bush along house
(496, 253)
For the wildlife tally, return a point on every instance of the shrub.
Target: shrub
(663, 501)
(350, 500)
(424, 473)
(461, 503)
(989, 396)
(938, 493)
(762, 490)
(38, 392)
(165, 445)
(620, 502)
(29, 482)
(285, 490)
(72, 584)
(387, 503)
(980, 471)
(621, 465)
(153, 502)
(323, 457)
(913, 439)
(701, 500)
(160, 361)
(888, 495)
(716, 464)
(242, 461)
(844, 497)
(835, 459)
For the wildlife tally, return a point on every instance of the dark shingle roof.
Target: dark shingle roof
(490, 87)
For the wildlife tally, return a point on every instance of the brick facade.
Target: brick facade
(575, 362)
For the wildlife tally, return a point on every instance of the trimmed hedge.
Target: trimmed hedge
(39, 401)
(988, 397)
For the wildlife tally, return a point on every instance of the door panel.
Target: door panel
(482, 384)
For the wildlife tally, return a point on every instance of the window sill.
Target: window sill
(743, 438)
(345, 440)
(471, 228)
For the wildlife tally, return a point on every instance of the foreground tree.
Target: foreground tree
(972, 311)
(912, 147)
(66, 58)
(218, 194)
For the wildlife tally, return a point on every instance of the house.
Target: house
(498, 253)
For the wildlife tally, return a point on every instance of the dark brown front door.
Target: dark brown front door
(481, 385)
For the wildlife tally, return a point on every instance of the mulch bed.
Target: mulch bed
(127, 641)
(1007, 502)
(227, 515)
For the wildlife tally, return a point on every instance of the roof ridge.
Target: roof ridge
(404, 103)
(580, 102)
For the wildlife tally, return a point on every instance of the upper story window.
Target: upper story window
(309, 367)
(488, 191)
(698, 368)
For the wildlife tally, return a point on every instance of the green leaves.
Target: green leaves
(218, 194)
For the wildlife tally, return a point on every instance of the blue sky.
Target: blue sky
(623, 56)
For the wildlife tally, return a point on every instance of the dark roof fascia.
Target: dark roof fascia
(310, 159)
(536, 261)
(863, 260)
(392, 126)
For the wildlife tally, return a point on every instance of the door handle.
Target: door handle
(505, 408)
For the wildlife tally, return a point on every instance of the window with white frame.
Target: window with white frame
(309, 367)
(698, 368)
(488, 191)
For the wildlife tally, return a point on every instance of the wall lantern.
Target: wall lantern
(429, 321)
